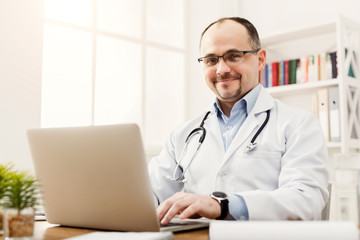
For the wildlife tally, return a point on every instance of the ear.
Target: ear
(262, 59)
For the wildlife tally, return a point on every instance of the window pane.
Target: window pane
(70, 11)
(66, 85)
(165, 22)
(164, 94)
(120, 16)
(118, 82)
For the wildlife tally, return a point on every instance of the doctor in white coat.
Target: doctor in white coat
(281, 175)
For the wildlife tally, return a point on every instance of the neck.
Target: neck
(226, 107)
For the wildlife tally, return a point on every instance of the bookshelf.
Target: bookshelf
(343, 37)
(336, 36)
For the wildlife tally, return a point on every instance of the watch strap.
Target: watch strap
(224, 204)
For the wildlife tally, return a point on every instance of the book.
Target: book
(322, 68)
(328, 66)
(292, 71)
(275, 74)
(286, 72)
(305, 69)
(269, 75)
(334, 64)
(318, 67)
(311, 68)
(281, 73)
(300, 70)
(262, 76)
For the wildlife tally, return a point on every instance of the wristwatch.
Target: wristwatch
(223, 200)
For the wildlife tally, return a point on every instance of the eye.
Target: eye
(234, 57)
(211, 60)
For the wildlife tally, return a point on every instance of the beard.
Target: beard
(228, 91)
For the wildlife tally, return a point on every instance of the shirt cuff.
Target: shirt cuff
(238, 208)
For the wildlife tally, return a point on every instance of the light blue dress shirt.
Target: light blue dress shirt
(229, 127)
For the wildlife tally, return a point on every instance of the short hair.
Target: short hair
(253, 34)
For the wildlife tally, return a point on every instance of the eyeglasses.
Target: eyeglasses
(231, 58)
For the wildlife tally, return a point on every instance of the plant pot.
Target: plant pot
(19, 226)
(1, 221)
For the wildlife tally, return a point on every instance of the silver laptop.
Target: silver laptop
(96, 177)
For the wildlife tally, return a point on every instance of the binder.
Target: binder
(334, 115)
(323, 108)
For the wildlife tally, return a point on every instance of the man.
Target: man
(260, 159)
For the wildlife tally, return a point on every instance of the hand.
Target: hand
(188, 205)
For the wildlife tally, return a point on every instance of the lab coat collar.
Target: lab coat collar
(255, 118)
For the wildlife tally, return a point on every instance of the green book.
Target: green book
(292, 71)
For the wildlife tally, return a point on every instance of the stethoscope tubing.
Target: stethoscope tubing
(202, 129)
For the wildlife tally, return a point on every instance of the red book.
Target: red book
(275, 74)
(286, 72)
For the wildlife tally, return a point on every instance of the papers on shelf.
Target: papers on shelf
(281, 230)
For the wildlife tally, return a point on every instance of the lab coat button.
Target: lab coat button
(229, 127)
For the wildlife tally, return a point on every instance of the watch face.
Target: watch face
(219, 194)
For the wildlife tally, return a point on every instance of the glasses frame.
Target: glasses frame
(201, 59)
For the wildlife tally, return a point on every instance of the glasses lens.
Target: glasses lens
(210, 61)
(234, 57)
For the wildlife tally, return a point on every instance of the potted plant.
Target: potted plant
(20, 197)
(5, 170)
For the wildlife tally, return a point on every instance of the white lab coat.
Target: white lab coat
(284, 177)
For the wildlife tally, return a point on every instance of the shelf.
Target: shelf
(294, 35)
(333, 144)
(286, 90)
(319, 39)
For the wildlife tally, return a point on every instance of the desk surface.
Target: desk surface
(46, 231)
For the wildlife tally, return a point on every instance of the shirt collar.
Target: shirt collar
(247, 102)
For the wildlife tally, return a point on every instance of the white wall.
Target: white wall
(20, 77)
(201, 14)
(274, 16)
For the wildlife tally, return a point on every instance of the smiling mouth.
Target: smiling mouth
(227, 78)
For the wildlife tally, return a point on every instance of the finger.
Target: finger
(175, 209)
(205, 207)
(164, 207)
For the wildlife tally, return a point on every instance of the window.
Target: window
(114, 61)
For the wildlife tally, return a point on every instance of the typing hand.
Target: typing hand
(188, 205)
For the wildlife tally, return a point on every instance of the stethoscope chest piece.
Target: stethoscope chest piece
(250, 147)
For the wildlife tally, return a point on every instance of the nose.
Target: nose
(222, 67)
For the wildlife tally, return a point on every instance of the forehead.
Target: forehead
(224, 36)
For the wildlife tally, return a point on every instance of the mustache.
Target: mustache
(226, 76)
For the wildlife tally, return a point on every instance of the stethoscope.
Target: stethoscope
(202, 131)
